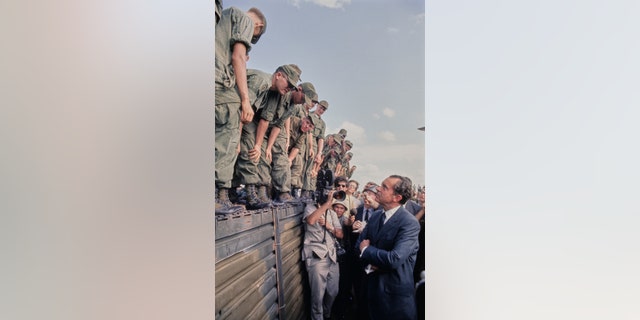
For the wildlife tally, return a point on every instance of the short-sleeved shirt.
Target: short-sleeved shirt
(275, 109)
(318, 131)
(337, 150)
(299, 111)
(258, 83)
(234, 26)
(297, 139)
(315, 233)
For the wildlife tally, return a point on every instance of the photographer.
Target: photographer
(322, 227)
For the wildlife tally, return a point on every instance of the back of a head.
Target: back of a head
(262, 18)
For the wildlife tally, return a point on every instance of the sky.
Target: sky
(532, 183)
(366, 58)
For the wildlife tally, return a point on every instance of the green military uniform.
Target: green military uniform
(234, 26)
(280, 169)
(309, 182)
(246, 171)
(297, 139)
(277, 171)
(332, 154)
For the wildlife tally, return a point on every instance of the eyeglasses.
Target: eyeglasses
(342, 185)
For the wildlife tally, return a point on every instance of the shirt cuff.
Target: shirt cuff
(363, 249)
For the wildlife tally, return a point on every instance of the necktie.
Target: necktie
(384, 217)
(366, 214)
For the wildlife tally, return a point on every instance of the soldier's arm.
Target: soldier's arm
(275, 131)
(254, 154)
(320, 149)
(293, 153)
(287, 127)
(239, 63)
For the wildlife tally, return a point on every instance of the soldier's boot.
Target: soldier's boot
(306, 194)
(285, 197)
(253, 201)
(223, 205)
(262, 194)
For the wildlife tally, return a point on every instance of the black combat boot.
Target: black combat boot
(262, 194)
(253, 201)
(223, 205)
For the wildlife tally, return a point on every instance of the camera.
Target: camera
(324, 184)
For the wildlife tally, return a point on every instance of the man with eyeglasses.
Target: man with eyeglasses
(251, 168)
(236, 31)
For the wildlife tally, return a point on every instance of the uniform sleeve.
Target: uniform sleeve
(270, 107)
(300, 141)
(258, 83)
(308, 210)
(322, 127)
(286, 109)
(241, 28)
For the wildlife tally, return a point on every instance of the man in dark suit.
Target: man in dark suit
(365, 211)
(388, 247)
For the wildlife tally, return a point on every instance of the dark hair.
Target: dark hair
(404, 187)
(340, 179)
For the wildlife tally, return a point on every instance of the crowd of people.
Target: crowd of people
(270, 135)
(271, 148)
(359, 282)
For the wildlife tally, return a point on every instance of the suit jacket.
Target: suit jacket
(393, 249)
(354, 235)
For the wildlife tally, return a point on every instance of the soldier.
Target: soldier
(236, 31)
(333, 153)
(274, 89)
(298, 168)
(343, 133)
(278, 143)
(340, 165)
(300, 129)
(343, 167)
(312, 167)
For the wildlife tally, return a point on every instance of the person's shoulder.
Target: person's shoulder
(233, 11)
(258, 79)
(412, 206)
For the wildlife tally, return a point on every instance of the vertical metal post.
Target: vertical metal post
(279, 275)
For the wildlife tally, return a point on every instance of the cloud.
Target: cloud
(387, 136)
(389, 112)
(376, 116)
(332, 4)
(419, 18)
(355, 133)
(376, 162)
(392, 30)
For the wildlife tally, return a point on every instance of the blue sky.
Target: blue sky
(366, 58)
